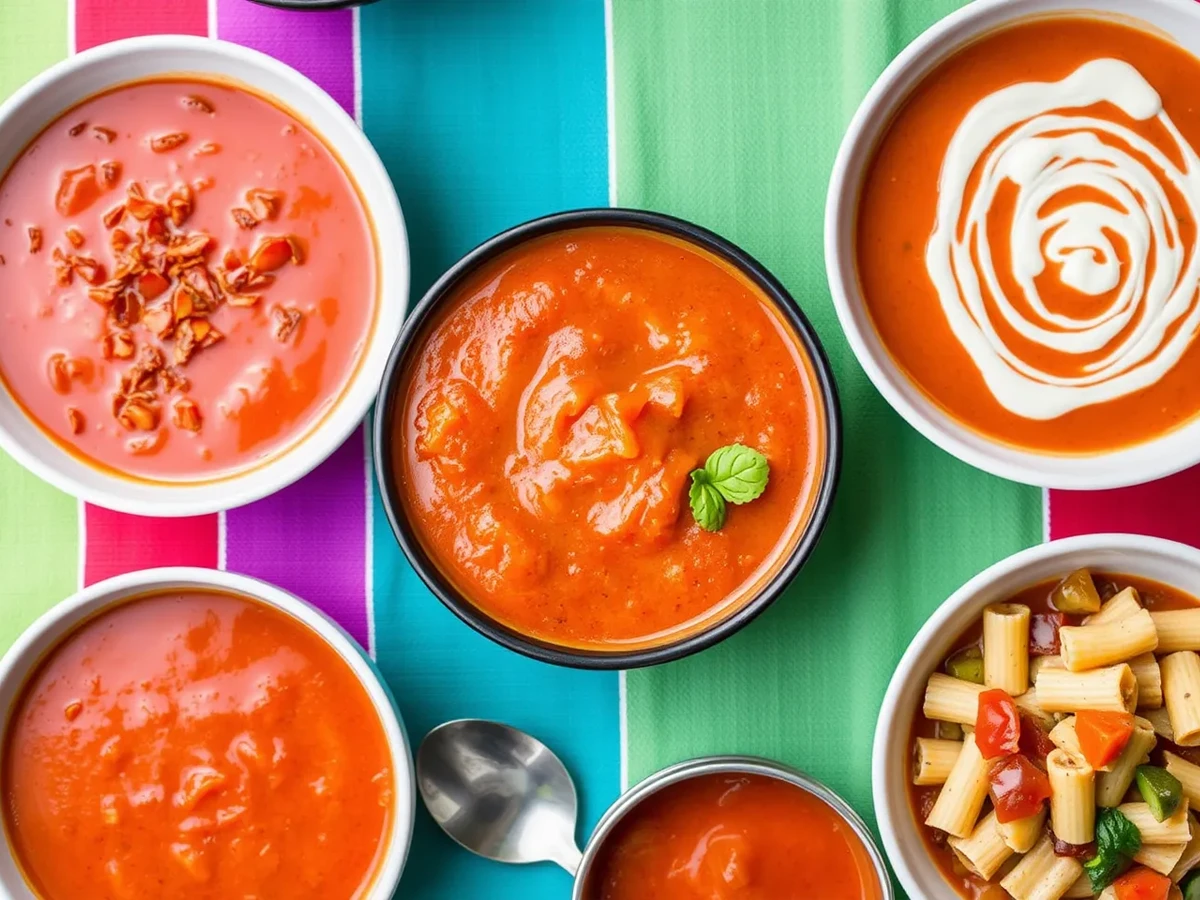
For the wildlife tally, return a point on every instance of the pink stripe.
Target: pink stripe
(99, 21)
(310, 538)
(1167, 508)
(319, 44)
(117, 543)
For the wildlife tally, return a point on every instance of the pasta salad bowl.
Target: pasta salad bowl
(947, 829)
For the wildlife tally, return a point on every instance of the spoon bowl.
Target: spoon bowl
(500, 793)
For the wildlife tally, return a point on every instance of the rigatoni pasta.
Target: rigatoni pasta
(1123, 604)
(950, 699)
(958, 804)
(1112, 785)
(1162, 858)
(1188, 775)
(1093, 646)
(1006, 647)
(1072, 797)
(984, 851)
(1040, 875)
(934, 760)
(1112, 688)
(1021, 834)
(1149, 680)
(1174, 830)
(1181, 695)
(1178, 629)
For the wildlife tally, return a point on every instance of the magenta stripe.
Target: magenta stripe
(310, 538)
(319, 44)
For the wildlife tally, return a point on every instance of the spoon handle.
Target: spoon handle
(568, 856)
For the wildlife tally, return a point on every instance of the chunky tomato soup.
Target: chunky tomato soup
(733, 837)
(554, 413)
(1027, 237)
(1035, 737)
(196, 745)
(189, 279)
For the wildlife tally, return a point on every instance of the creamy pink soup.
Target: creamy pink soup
(187, 282)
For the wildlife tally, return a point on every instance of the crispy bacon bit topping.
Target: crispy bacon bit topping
(75, 237)
(164, 143)
(285, 321)
(35, 239)
(56, 372)
(180, 204)
(244, 218)
(118, 345)
(104, 134)
(64, 274)
(197, 103)
(271, 253)
(145, 446)
(186, 414)
(138, 415)
(113, 217)
(76, 421)
(81, 369)
(110, 174)
(77, 130)
(77, 190)
(264, 204)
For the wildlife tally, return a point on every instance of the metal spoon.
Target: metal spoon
(500, 793)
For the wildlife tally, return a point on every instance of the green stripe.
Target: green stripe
(39, 530)
(729, 112)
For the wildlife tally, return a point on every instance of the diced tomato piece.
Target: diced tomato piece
(1043, 633)
(1142, 884)
(1017, 787)
(1102, 735)
(997, 724)
(1035, 740)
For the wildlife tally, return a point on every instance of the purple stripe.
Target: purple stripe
(310, 538)
(319, 44)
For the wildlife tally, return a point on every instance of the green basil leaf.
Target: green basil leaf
(1104, 868)
(738, 472)
(1116, 834)
(708, 507)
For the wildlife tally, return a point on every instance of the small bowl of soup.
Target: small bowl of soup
(1011, 239)
(1038, 739)
(207, 267)
(193, 733)
(728, 827)
(607, 438)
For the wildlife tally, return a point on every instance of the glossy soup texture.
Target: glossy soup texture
(1080, 256)
(1154, 595)
(733, 837)
(196, 745)
(275, 351)
(553, 416)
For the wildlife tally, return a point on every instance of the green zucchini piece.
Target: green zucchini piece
(1161, 790)
(966, 664)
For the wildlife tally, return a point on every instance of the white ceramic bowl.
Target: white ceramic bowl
(1133, 465)
(1174, 564)
(59, 88)
(62, 619)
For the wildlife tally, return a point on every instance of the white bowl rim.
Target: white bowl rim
(61, 619)
(914, 664)
(310, 448)
(1164, 455)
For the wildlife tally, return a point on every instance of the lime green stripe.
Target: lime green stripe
(39, 531)
(729, 112)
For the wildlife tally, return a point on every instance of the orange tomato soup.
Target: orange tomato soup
(189, 279)
(552, 417)
(1034, 270)
(733, 837)
(196, 744)
(1153, 595)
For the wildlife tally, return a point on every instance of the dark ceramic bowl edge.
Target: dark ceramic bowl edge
(555, 653)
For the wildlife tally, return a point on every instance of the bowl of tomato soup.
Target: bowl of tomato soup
(559, 418)
(208, 264)
(1019, 637)
(1011, 241)
(192, 733)
(731, 827)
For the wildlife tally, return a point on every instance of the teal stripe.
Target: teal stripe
(486, 114)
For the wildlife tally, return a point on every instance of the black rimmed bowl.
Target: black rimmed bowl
(391, 399)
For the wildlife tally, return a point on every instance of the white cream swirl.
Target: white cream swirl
(1026, 134)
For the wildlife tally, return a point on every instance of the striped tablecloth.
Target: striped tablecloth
(489, 112)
